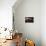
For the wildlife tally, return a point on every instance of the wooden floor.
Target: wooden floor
(9, 43)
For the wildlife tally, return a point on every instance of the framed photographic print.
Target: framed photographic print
(29, 19)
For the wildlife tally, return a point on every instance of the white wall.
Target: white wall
(6, 13)
(43, 22)
(30, 8)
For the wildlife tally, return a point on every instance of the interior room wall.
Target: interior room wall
(29, 8)
(6, 13)
(43, 22)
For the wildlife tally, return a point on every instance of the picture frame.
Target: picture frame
(29, 19)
